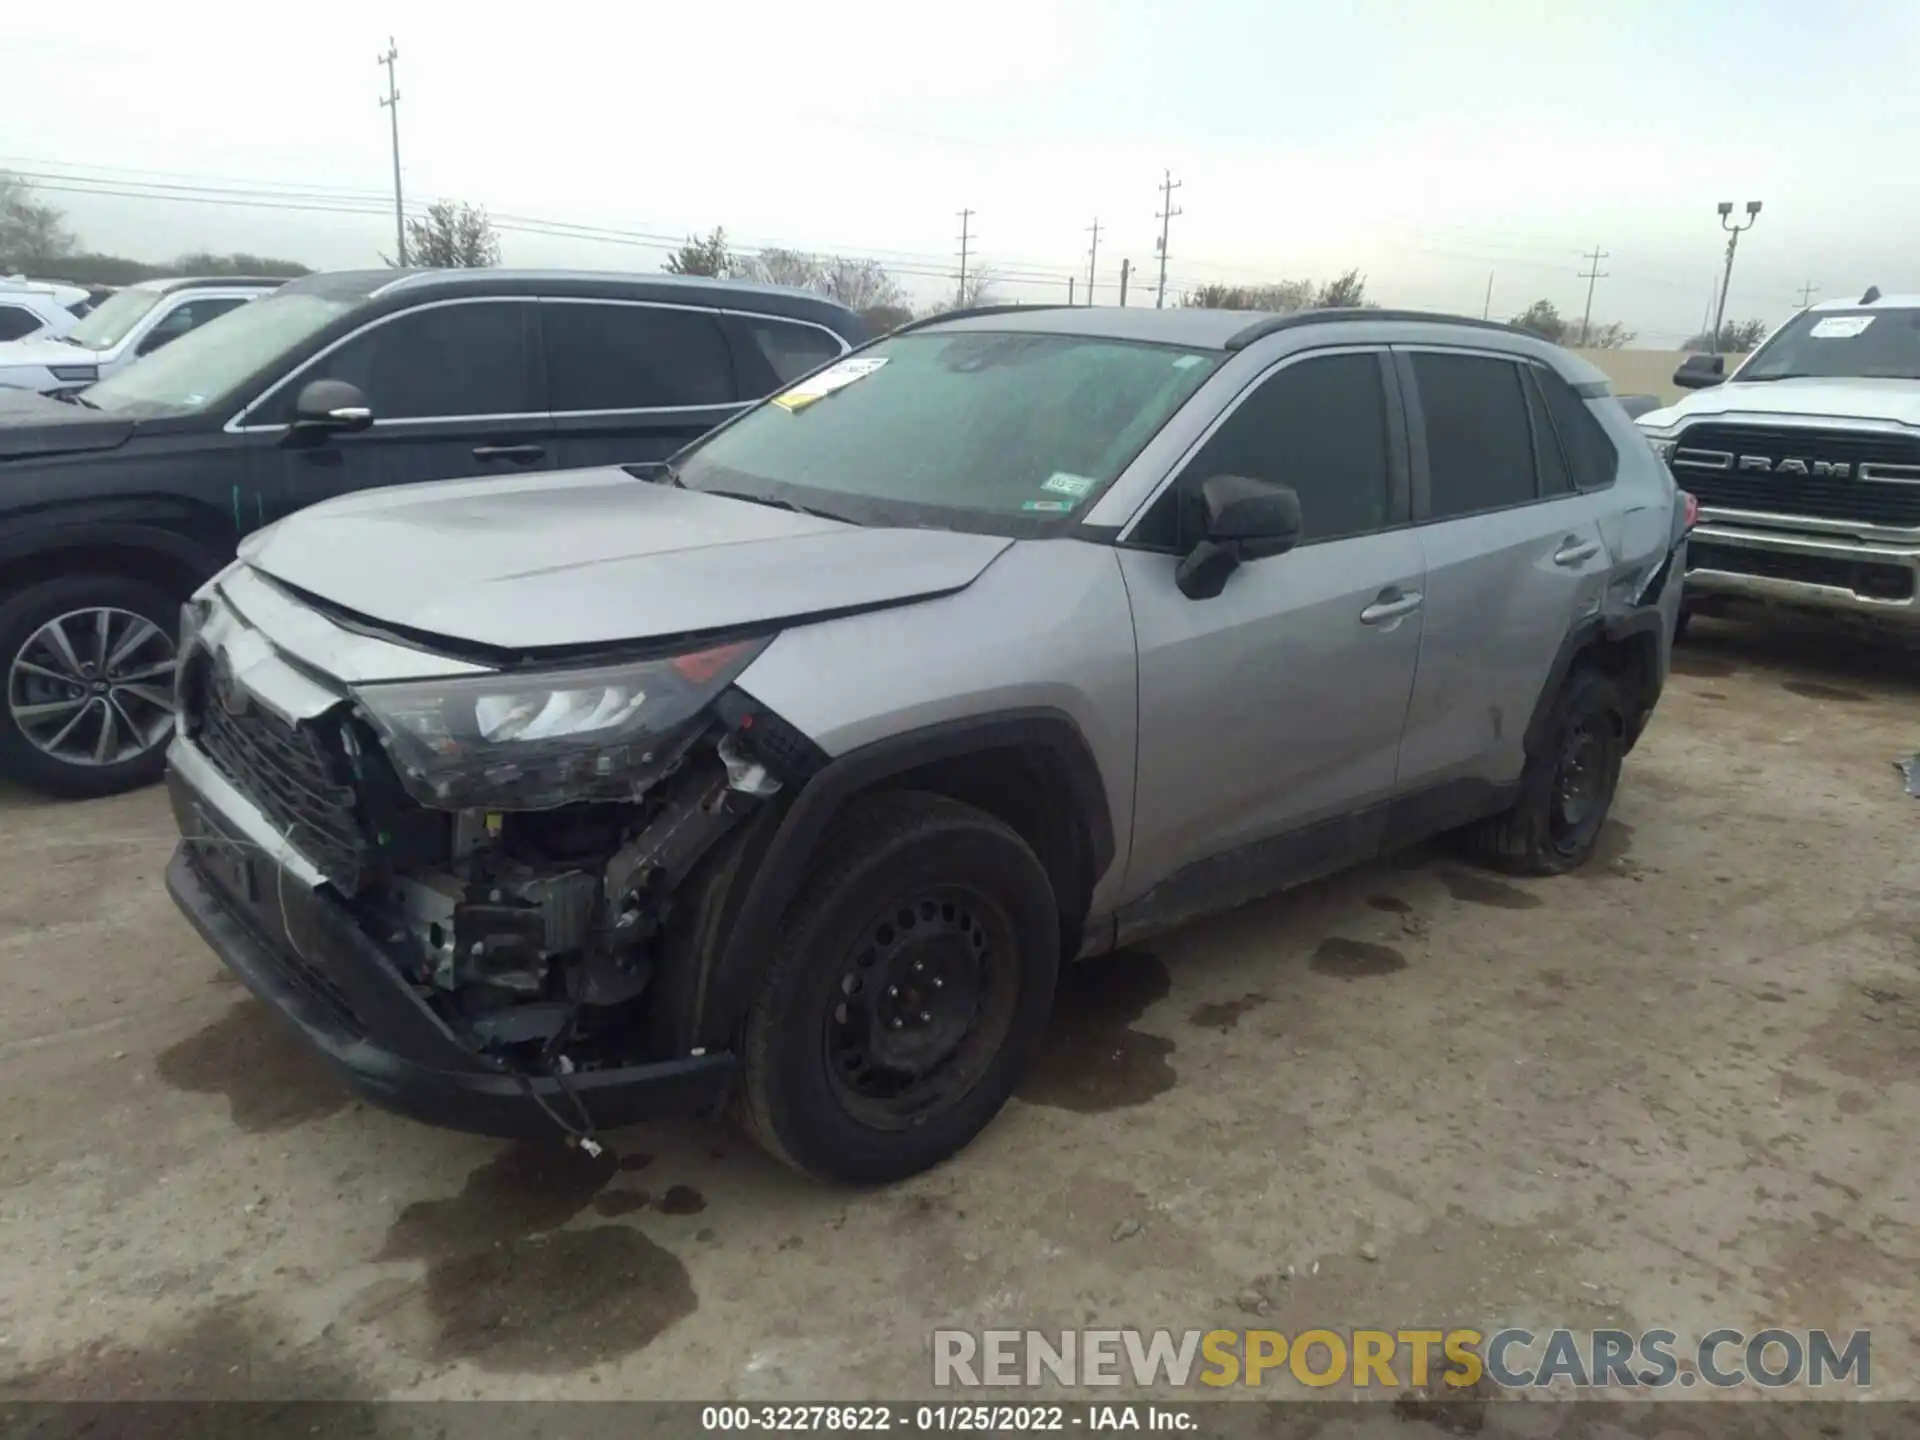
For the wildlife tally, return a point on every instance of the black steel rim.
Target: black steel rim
(1580, 781)
(922, 1003)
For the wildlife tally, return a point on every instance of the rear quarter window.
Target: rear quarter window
(1590, 451)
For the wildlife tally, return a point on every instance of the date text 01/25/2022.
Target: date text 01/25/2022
(971, 1419)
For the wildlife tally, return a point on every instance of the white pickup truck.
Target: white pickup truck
(1806, 464)
(132, 322)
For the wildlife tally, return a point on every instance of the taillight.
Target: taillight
(1693, 508)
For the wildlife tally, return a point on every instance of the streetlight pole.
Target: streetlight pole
(1733, 229)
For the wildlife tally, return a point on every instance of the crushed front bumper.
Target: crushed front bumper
(276, 925)
(1875, 576)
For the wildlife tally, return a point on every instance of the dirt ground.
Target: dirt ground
(1676, 1089)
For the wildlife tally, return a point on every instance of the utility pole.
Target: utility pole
(1486, 311)
(1070, 280)
(1126, 269)
(1596, 273)
(966, 237)
(391, 104)
(1806, 294)
(1733, 229)
(1165, 216)
(1093, 257)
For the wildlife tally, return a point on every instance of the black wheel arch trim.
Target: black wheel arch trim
(54, 534)
(1612, 628)
(781, 868)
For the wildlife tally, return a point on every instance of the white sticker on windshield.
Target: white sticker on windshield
(834, 377)
(1061, 483)
(1187, 362)
(1840, 327)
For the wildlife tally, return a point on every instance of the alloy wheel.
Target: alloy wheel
(94, 687)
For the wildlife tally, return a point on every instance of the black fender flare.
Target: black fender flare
(1612, 628)
(784, 862)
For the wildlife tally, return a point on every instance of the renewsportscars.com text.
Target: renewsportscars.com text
(1513, 1359)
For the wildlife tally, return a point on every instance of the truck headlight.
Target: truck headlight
(535, 739)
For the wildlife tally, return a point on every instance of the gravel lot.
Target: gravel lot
(1676, 1089)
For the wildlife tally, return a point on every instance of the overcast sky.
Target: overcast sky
(1429, 144)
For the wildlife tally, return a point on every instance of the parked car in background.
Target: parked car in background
(796, 774)
(42, 308)
(1806, 463)
(116, 501)
(132, 322)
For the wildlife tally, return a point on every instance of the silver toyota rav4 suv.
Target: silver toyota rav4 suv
(790, 773)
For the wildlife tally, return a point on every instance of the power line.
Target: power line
(391, 104)
(1165, 216)
(1590, 276)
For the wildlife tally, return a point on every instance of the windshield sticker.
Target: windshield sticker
(1048, 507)
(834, 377)
(1062, 483)
(1840, 327)
(1187, 362)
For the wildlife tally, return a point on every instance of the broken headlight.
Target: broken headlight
(531, 740)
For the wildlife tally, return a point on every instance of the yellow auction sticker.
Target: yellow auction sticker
(834, 377)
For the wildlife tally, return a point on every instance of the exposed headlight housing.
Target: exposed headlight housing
(1662, 448)
(74, 374)
(532, 740)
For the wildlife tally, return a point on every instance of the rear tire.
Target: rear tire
(1567, 788)
(52, 649)
(915, 972)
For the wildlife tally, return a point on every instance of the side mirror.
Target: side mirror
(1245, 519)
(331, 406)
(1701, 372)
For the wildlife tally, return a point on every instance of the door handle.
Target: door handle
(1391, 605)
(509, 452)
(1575, 551)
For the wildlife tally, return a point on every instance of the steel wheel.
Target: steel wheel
(925, 998)
(93, 687)
(1580, 780)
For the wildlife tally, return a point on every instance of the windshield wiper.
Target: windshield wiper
(776, 500)
(1788, 375)
(72, 397)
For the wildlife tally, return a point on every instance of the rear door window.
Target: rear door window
(608, 356)
(1590, 450)
(1479, 441)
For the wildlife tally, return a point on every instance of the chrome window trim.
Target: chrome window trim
(236, 427)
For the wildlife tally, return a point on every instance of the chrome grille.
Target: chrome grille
(1707, 462)
(284, 769)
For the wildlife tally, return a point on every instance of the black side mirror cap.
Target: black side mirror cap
(1701, 372)
(1246, 519)
(331, 405)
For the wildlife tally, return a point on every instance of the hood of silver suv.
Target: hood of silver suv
(1814, 398)
(589, 557)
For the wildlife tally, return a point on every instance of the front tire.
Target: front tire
(87, 662)
(914, 974)
(1567, 788)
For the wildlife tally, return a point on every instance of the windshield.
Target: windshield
(107, 324)
(1009, 432)
(1859, 344)
(208, 362)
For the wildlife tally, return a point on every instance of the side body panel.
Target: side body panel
(1046, 627)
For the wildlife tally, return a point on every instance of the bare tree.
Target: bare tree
(702, 257)
(31, 232)
(1611, 336)
(977, 288)
(1349, 292)
(1736, 337)
(774, 266)
(861, 285)
(452, 236)
(1542, 318)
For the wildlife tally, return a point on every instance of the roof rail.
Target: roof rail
(1873, 294)
(971, 312)
(1260, 329)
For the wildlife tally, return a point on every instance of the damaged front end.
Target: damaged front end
(513, 843)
